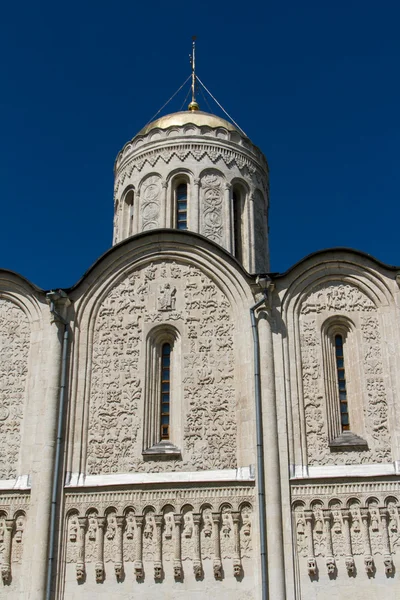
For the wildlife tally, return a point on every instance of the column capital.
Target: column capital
(216, 517)
(158, 520)
(196, 518)
(82, 521)
(327, 514)
(139, 520)
(9, 524)
(178, 519)
(120, 520)
(101, 522)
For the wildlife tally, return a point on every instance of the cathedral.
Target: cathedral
(183, 423)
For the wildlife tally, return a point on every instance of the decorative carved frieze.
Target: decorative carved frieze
(133, 536)
(355, 528)
(199, 152)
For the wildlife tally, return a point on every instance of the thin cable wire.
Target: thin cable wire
(221, 107)
(187, 96)
(205, 99)
(168, 101)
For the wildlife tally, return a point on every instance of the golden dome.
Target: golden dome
(197, 117)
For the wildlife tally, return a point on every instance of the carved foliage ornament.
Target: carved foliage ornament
(341, 299)
(14, 344)
(162, 293)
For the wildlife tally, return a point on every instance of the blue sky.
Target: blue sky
(314, 84)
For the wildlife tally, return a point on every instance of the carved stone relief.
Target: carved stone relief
(362, 527)
(342, 299)
(198, 152)
(140, 539)
(162, 293)
(14, 343)
(212, 206)
(150, 195)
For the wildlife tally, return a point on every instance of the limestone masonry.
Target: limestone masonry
(155, 486)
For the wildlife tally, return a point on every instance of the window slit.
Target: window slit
(341, 378)
(165, 390)
(181, 206)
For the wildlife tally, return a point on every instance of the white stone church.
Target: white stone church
(183, 424)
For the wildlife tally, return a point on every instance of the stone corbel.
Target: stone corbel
(80, 565)
(237, 563)
(138, 565)
(99, 566)
(368, 560)
(6, 563)
(119, 565)
(197, 566)
(387, 555)
(217, 563)
(311, 562)
(349, 560)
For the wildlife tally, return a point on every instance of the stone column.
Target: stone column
(387, 555)
(158, 519)
(139, 558)
(80, 565)
(228, 234)
(6, 563)
(43, 460)
(237, 563)
(165, 212)
(275, 554)
(194, 207)
(197, 567)
(368, 560)
(119, 564)
(137, 227)
(217, 564)
(349, 560)
(99, 567)
(311, 562)
(330, 559)
(251, 243)
(177, 548)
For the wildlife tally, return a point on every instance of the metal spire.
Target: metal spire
(193, 105)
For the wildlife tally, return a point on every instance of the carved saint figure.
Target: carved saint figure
(166, 299)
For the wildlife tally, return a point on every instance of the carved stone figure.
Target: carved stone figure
(119, 570)
(166, 297)
(157, 570)
(331, 565)
(350, 565)
(369, 564)
(5, 573)
(389, 567)
(99, 569)
(80, 572)
(312, 566)
(217, 568)
(139, 572)
(197, 570)
(237, 568)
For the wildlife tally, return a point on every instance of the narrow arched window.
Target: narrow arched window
(237, 225)
(341, 377)
(181, 206)
(165, 390)
(129, 198)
